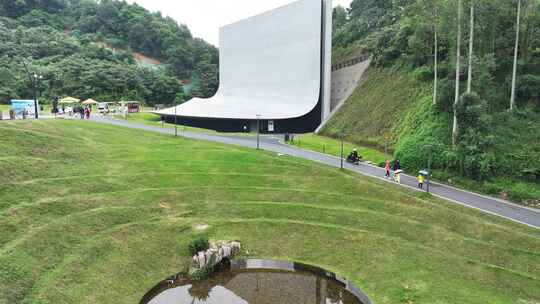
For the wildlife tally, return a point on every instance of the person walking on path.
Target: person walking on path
(421, 179)
(397, 176)
(387, 168)
(396, 171)
(397, 165)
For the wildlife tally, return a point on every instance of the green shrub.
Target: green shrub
(445, 98)
(206, 271)
(422, 129)
(493, 188)
(200, 243)
(522, 191)
(203, 273)
(424, 74)
(469, 111)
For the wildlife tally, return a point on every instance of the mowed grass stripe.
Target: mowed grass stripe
(420, 214)
(49, 281)
(421, 234)
(351, 197)
(42, 251)
(153, 174)
(399, 240)
(392, 265)
(397, 218)
(373, 205)
(126, 247)
(404, 230)
(357, 209)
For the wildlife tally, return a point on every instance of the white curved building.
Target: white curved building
(274, 67)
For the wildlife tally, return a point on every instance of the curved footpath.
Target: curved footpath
(498, 207)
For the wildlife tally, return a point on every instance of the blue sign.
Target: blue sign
(19, 106)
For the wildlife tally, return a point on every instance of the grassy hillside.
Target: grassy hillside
(376, 107)
(90, 213)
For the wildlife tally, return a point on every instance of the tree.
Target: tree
(435, 51)
(426, 17)
(208, 80)
(516, 49)
(458, 72)
(163, 89)
(473, 148)
(471, 41)
(339, 17)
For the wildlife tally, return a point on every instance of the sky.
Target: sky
(205, 17)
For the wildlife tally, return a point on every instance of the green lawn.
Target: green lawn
(143, 117)
(332, 146)
(92, 213)
(312, 142)
(154, 120)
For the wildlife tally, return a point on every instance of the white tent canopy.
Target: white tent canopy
(69, 100)
(89, 102)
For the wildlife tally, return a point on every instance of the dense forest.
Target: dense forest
(85, 49)
(405, 32)
(457, 79)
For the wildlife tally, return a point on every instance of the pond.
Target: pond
(259, 282)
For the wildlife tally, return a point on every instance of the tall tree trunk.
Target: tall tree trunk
(471, 40)
(458, 61)
(516, 49)
(527, 33)
(436, 55)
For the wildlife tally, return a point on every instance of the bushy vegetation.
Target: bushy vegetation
(491, 143)
(84, 48)
(198, 244)
(203, 273)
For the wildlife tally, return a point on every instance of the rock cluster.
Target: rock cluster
(216, 253)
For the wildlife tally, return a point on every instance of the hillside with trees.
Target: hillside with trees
(457, 79)
(85, 48)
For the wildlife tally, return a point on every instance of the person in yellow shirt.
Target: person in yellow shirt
(421, 179)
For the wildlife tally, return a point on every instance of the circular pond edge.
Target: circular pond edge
(259, 264)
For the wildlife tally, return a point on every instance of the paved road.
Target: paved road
(516, 213)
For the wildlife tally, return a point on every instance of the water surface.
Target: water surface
(259, 282)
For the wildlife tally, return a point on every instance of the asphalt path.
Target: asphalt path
(494, 206)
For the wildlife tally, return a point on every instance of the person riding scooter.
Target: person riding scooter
(354, 157)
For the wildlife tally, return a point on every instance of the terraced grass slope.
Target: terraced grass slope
(97, 214)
